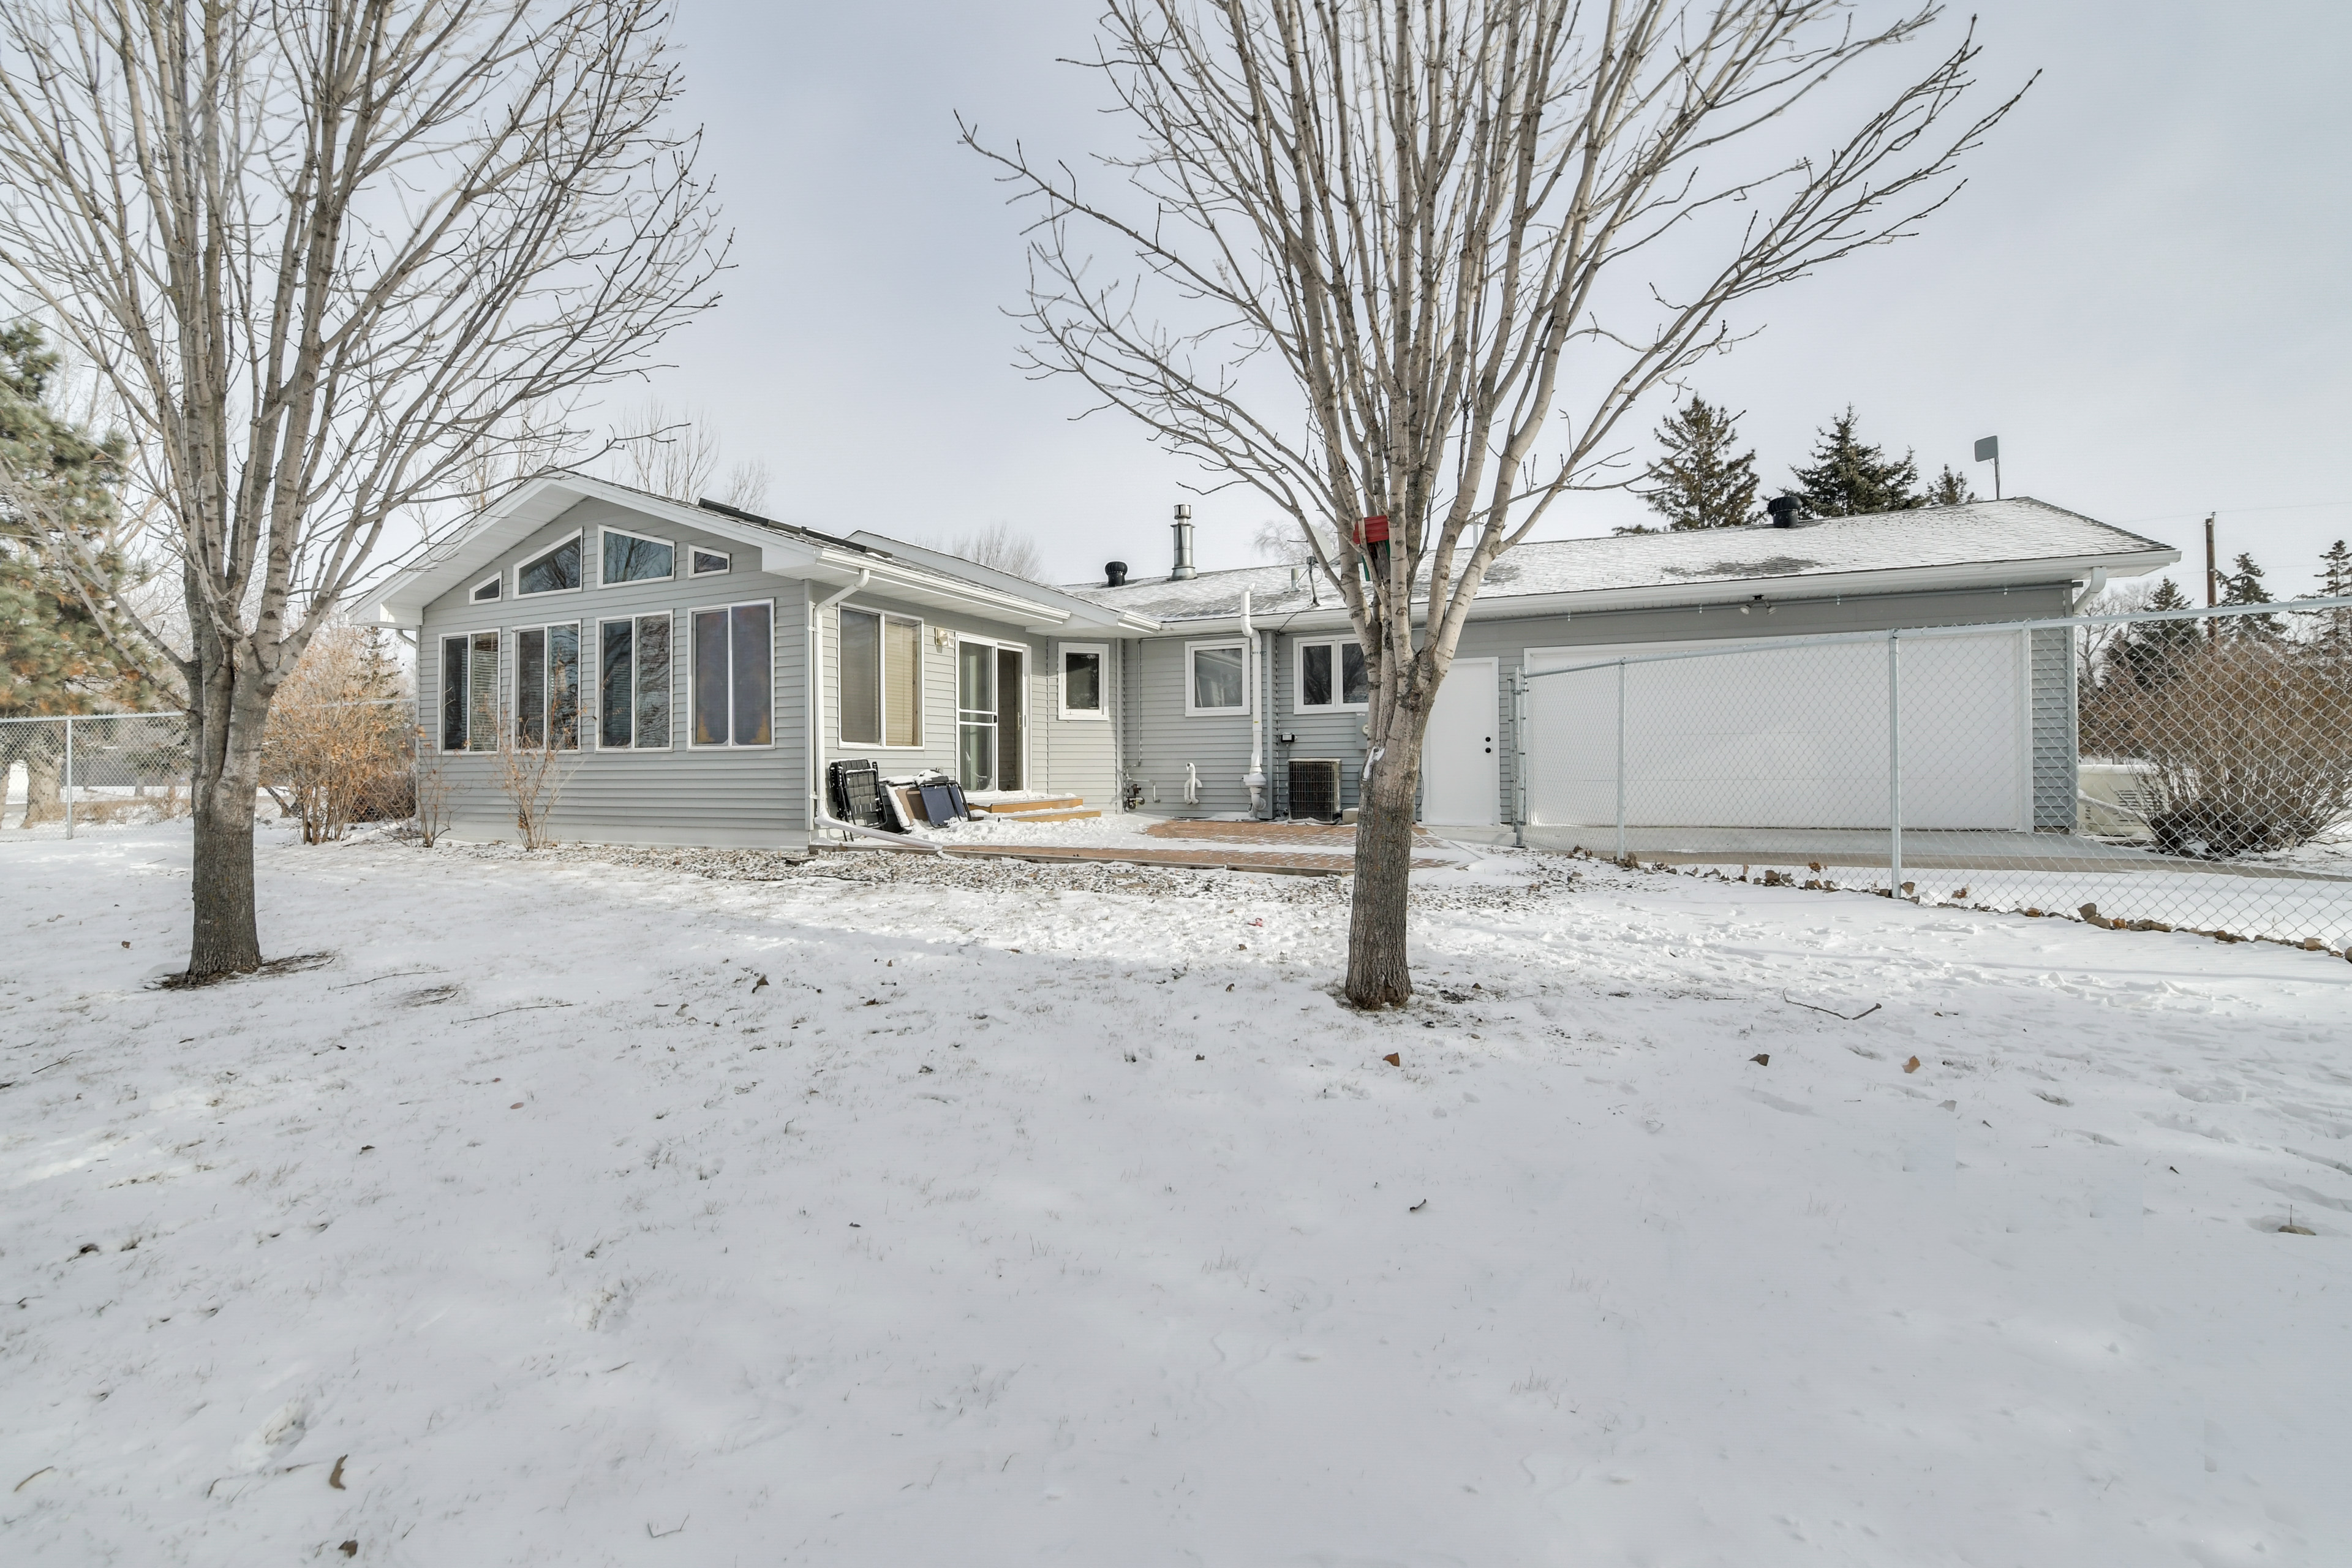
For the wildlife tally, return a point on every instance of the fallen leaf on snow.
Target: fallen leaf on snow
(1911, 1066)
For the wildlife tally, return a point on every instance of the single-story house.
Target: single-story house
(671, 646)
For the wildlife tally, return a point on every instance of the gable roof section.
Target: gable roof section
(1085, 615)
(1983, 544)
(785, 549)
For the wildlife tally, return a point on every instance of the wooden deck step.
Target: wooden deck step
(1035, 803)
(1062, 814)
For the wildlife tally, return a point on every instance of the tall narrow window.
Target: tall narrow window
(1331, 675)
(902, 690)
(633, 683)
(881, 679)
(733, 685)
(547, 687)
(1082, 682)
(454, 687)
(482, 706)
(555, 571)
(631, 558)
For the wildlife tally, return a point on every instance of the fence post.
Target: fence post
(67, 790)
(1519, 756)
(1894, 762)
(1620, 760)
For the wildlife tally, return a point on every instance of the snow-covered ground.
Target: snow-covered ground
(581, 1208)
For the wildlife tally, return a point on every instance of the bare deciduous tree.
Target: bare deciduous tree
(666, 451)
(323, 255)
(1419, 261)
(1000, 547)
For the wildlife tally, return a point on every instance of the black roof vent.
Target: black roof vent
(1114, 573)
(1784, 510)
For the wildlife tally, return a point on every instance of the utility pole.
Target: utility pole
(2213, 578)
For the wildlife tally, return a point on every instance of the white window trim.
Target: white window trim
(1062, 681)
(514, 682)
(694, 571)
(922, 672)
(1249, 686)
(441, 735)
(596, 686)
(642, 538)
(1339, 680)
(497, 577)
(730, 745)
(577, 535)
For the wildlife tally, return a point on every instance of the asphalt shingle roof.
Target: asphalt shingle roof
(2017, 531)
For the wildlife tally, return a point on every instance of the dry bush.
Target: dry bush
(337, 750)
(536, 759)
(432, 788)
(2249, 745)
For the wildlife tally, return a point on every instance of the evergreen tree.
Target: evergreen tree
(1850, 478)
(1951, 489)
(2243, 585)
(2153, 651)
(1700, 482)
(2334, 638)
(55, 479)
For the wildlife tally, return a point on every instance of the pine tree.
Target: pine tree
(1700, 482)
(2334, 637)
(53, 478)
(1951, 489)
(1850, 478)
(2153, 651)
(2243, 585)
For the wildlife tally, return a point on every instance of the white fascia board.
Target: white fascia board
(1078, 613)
(936, 590)
(1735, 591)
(463, 556)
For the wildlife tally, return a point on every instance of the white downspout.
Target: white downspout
(1254, 780)
(817, 814)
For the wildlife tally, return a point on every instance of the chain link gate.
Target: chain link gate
(90, 773)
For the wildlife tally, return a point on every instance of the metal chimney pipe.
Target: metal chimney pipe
(1184, 543)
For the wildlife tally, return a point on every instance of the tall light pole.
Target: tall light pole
(1989, 451)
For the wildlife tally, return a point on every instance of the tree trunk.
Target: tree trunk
(226, 771)
(1378, 972)
(44, 768)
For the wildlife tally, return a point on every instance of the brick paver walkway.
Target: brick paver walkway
(1286, 863)
(1266, 833)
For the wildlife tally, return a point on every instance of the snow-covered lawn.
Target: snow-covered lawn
(583, 1209)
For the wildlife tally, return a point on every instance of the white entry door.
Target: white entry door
(1461, 780)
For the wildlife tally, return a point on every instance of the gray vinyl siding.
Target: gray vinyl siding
(1161, 739)
(1072, 756)
(752, 796)
(1321, 733)
(2055, 734)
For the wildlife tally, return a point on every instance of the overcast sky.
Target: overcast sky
(2141, 290)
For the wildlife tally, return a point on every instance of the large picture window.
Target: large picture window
(1331, 675)
(469, 692)
(547, 688)
(633, 558)
(1216, 677)
(552, 571)
(633, 683)
(881, 679)
(734, 689)
(1083, 667)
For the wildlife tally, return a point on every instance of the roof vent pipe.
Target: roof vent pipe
(1184, 543)
(1783, 510)
(1114, 573)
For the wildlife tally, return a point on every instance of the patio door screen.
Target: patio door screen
(991, 718)
(976, 715)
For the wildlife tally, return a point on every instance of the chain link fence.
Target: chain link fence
(88, 773)
(327, 765)
(2183, 769)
